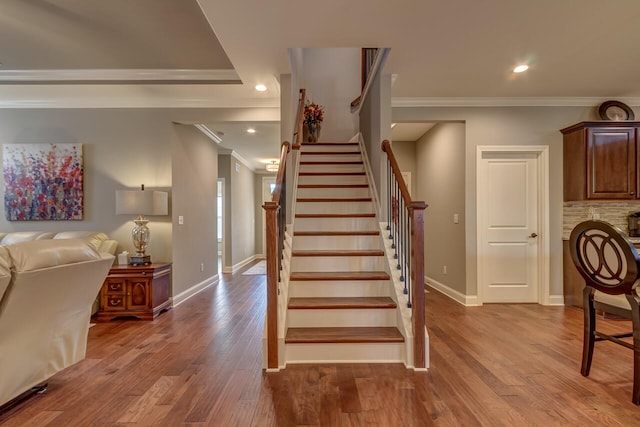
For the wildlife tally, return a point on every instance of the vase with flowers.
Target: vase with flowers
(313, 116)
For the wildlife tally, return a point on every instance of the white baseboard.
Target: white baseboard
(466, 300)
(176, 300)
(472, 300)
(239, 265)
(556, 300)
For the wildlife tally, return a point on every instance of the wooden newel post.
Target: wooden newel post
(271, 211)
(416, 214)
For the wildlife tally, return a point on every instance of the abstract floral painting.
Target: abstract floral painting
(43, 181)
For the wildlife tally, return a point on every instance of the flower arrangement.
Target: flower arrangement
(313, 114)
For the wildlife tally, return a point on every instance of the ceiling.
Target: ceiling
(211, 53)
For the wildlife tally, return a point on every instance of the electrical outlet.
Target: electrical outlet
(201, 266)
(444, 269)
(456, 218)
(180, 220)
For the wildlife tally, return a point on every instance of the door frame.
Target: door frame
(542, 154)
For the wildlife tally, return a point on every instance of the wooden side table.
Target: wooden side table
(140, 291)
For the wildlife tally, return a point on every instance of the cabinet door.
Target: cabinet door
(611, 163)
(138, 294)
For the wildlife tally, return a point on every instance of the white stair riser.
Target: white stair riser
(329, 318)
(339, 288)
(330, 263)
(336, 242)
(333, 207)
(332, 148)
(332, 179)
(344, 157)
(331, 168)
(348, 352)
(335, 224)
(333, 192)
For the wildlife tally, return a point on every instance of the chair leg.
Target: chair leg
(589, 330)
(634, 301)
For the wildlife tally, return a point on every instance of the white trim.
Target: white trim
(236, 156)
(505, 102)
(108, 100)
(369, 172)
(118, 75)
(239, 265)
(544, 250)
(209, 133)
(466, 300)
(556, 300)
(176, 300)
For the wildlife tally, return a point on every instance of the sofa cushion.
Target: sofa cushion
(25, 236)
(38, 254)
(92, 237)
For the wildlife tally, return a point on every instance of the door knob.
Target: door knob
(533, 235)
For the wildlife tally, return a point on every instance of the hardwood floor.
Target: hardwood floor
(200, 365)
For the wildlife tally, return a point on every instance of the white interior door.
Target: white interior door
(508, 202)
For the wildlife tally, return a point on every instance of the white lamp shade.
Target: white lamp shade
(140, 202)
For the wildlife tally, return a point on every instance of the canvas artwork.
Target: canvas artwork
(43, 181)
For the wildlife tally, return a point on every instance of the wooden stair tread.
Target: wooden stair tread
(325, 215)
(337, 275)
(341, 303)
(343, 335)
(331, 173)
(337, 233)
(333, 199)
(346, 252)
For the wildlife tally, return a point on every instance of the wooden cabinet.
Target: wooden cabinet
(138, 291)
(601, 161)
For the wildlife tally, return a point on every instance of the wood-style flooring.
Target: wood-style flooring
(200, 365)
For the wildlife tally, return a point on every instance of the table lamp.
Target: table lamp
(141, 203)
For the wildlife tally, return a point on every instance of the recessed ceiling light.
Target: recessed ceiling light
(251, 130)
(261, 88)
(521, 68)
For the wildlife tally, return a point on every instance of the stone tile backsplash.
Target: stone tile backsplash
(612, 212)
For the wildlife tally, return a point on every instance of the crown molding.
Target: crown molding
(236, 156)
(507, 102)
(209, 133)
(119, 76)
(104, 101)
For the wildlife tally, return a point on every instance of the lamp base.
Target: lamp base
(139, 259)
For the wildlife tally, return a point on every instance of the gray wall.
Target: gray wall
(508, 126)
(239, 211)
(440, 183)
(122, 149)
(195, 160)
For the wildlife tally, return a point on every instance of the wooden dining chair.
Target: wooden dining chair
(610, 266)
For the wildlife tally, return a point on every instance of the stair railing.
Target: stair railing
(405, 224)
(275, 213)
(373, 59)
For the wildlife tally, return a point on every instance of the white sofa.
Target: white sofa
(101, 241)
(46, 291)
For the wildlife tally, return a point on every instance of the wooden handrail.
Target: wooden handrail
(280, 176)
(413, 252)
(378, 63)
(404, 191)
(300, 119)
(274, 220)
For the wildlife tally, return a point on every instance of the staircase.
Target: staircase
(341, 304)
